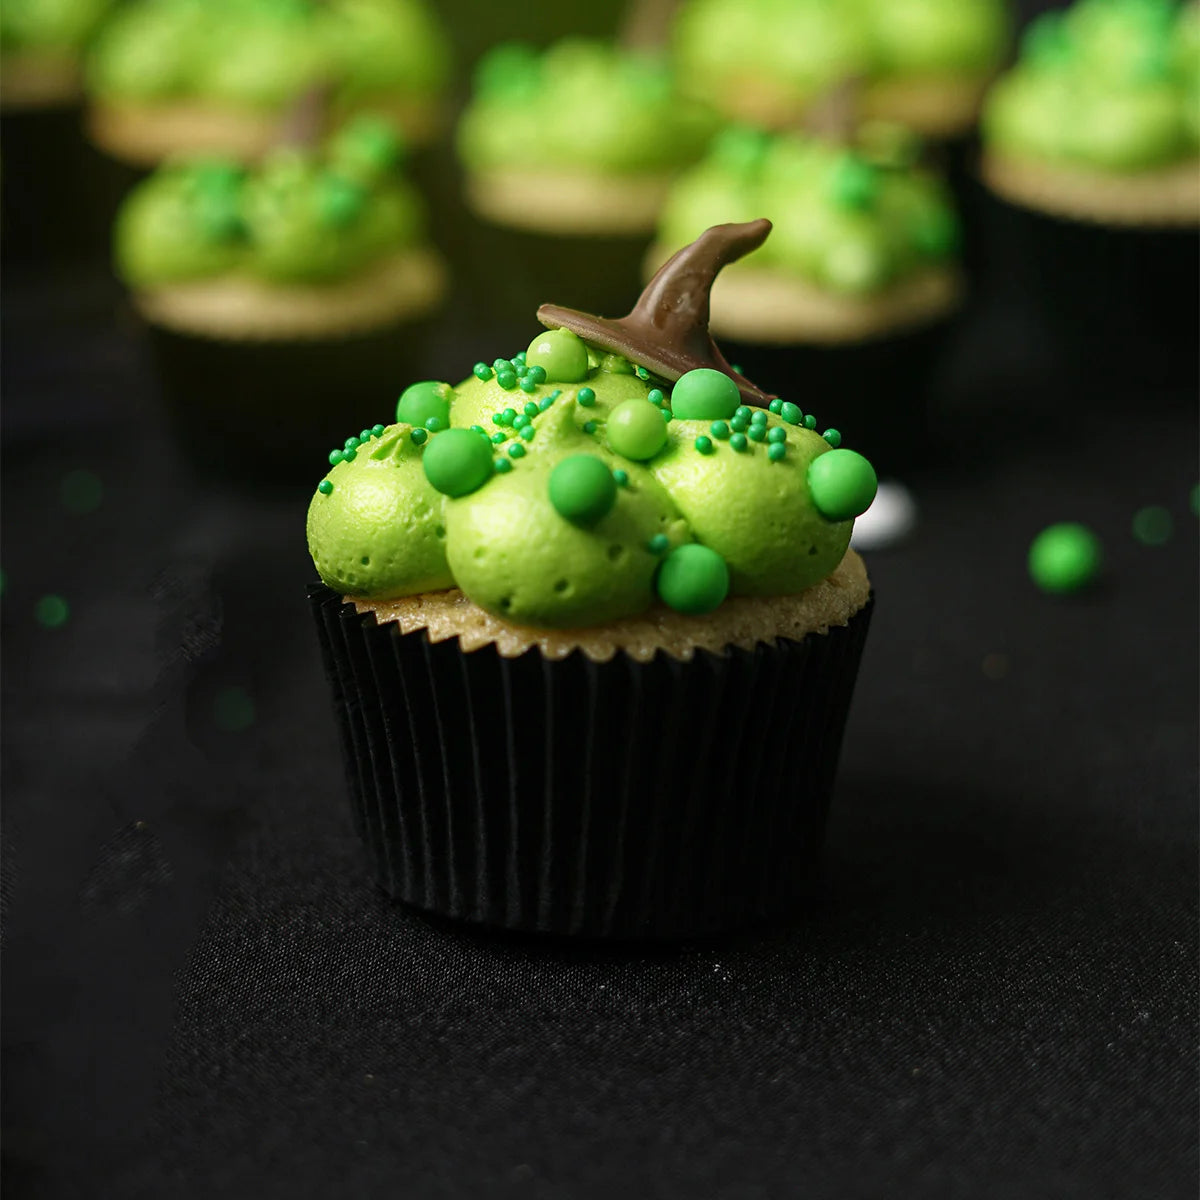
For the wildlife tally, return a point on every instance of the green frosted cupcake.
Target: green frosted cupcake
(261, 281)
(41, 42)
(548, 596)
(217, 76)
(769, 62)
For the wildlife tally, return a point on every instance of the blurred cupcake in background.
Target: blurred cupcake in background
(217, 76)
(280, 299)
(568, 154)
(46, 162)
(1092, 141)
(857, 287)
(923, 62)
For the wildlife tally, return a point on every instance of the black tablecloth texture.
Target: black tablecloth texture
(993, 995)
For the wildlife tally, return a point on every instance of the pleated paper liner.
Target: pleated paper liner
(259, 388)
(1116, 278)
(619, 799)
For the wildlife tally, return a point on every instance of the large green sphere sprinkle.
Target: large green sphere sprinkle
(457, 462)
(693, 579)
(636, 429)
(842, 484)
(582, 489)
(705, 395)
(422, 401)
(561, 354)
(1064, 557)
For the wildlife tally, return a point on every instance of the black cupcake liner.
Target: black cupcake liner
(618, 800)
(269, 413)
(876, 393)
(1122, 305)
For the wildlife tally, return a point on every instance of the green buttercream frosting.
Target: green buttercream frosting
(846, 219)
(799, 48)
(262, 54)
(1110, 85)
(565, 530)
(49, 25)
(579, 105)
(301, 217)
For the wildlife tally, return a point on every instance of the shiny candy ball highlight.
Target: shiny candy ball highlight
(582, 489)
(637, 430)
(842, 484)
(458, 462)
(693, 579)
(424, 400)
(705, 395)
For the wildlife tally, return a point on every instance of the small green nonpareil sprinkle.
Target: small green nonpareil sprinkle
(508, 416)
(590, 426)
(516, 450)
(377, 430)
(757, 433)
(810, 422)
(520, 420)
(791, 413)
(324, 487)
(776, 406)
(521, 369)
(502, 465)
(527, 432)
(352, 443)
(833, 437)
(482, 371)
(519, 358)
(501, 364)
(655, 396)
(719, 430)
(667, 414)
(758, 416)
(479, 429)
(545, 403)
(586, 397)
(703, 444)
(349, 455)
(528, 385)
(777, 451)
(743, 411)
(739, 424)
(738, 441)
(335, 457)
(1152, 525)
(497, 438)
(1064, 557)
(658, 544)
(507, 380)
(530, 409)
(419, 436)
(365, 436)
(621, 477)
(536, 373)
(434, 425)
(52, 612)
(777, 435)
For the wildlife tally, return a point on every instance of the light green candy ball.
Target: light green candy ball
(561, 354)
(636, 429)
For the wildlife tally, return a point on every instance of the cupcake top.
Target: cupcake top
(789, 51)
(579, 106)
(302, 216)
(609, 466)
(261, 54)
(850, 219)
(1109, 85)
(48, 26)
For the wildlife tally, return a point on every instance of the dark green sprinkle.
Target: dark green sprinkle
(833, 437)
(739, 424)
(522, 370)
(516, 450)
(758, 416)
(530, 409)
(590, 426)
(622, 477)
(641, 373)
(502, 465)
(482, 371)
(478, 429)
(658, 544)
(586, 397)
(365, 436)
(324, 487)
(377, 430)
(520, 421)
(777, 451)
(655, 396)
(719, 430)
(742, 410)
(518, 359)
(352, 443)
(735, 369)
(351, 455)
(738, 441)
(335, 457)
(667, 414)
(777, 435)
(502, 364)
(527, 385)
(51, 612)
(545, 403)
(537, 373)
(497, 438)
(776, 405)
(703, 444)
(507, 380)
(810, 422)
(527, 432)
(434, 425)
(508, 416)
(758, 433)
(791, 413)
(419, 436)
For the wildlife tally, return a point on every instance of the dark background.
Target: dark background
(994, 993)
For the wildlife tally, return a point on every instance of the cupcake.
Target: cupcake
(47, 165)
(568, 155)
(1092, 144)
(592, 626)
(767, 62)
(171, 76)
(858, 286)
(286, 291)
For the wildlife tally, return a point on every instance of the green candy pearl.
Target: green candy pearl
(1064, 557)
(791, 413)
(582, 489)
(424, 400)
(703, 444)
(705, 395)
(586, 397)
(833, 437)
(693, 579)
(719, 430)
(458, 462)
(502, 465)
(738, 441)
(842, 484)
(324, 487)
(777, 435)
(776, 406)
(561, 354)
(636, 429)
(777, 451)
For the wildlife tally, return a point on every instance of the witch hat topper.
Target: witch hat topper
(667, 331)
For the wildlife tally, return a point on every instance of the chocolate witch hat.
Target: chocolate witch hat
(667, 331)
